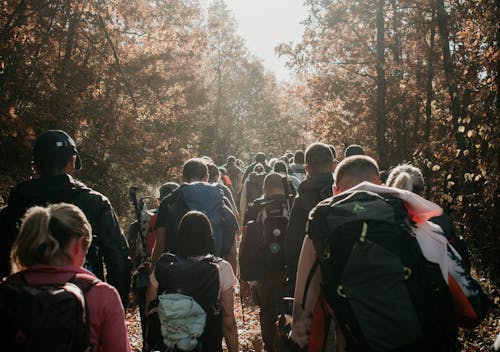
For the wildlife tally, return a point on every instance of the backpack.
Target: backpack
(190, 197)
(385, 295)
(255, 186)
(141, 240)
(181, 283)
(51, 317)
(262, 246)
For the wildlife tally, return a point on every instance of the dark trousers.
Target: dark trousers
(268, 294)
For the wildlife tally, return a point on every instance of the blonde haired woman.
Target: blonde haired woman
(410, 178)
(50, 249)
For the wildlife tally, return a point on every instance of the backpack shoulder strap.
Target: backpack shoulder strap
(84, 281)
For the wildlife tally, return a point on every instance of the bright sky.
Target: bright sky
(266, 23)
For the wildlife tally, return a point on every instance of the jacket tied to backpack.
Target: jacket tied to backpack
(182, 320)
(366, 256)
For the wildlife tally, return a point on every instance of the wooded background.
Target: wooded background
(143, 85)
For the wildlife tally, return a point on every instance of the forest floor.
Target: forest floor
(473, 340)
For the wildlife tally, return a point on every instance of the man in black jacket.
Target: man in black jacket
(319, 165)
(55, 159)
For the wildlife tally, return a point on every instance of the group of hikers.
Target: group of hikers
(338, 256)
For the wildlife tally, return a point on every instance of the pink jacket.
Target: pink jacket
(107, 319)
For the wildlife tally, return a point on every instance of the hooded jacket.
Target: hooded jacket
(109, 245)
(311, 191)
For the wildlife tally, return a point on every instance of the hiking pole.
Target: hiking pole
(133, 198)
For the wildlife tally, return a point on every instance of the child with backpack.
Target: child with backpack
(51, 303)
(193, 306)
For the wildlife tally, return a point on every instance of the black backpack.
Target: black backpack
(385, 295)
(262, 247)
(255, 183)
(197, 279)
(51, 317)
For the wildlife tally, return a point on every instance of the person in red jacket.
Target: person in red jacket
(51, 248)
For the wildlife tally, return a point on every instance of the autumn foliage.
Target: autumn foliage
(418, 82)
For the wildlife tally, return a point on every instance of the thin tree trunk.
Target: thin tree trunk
(444, 34)
(381, 88)
(430, 77)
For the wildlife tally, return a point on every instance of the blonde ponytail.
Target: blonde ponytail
(403, 181)
(407, 177)
(46, 232)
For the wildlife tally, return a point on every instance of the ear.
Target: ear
(308, 169)
(335, 189)
(205, 179)
(77, 252)
(70, 166)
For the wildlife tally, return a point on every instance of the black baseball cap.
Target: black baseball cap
(51, 143)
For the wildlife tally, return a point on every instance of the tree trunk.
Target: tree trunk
(430, 77)
(444, 34)
(381, 89)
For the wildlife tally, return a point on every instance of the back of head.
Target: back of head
(273, 184)
(298, 157)
(194, 169)
(258, 168)
(280, 166)
(319, 158)
(333, 150)
(168, 188)
(355, 170)
(195, 235)
(354, 149)
(52, 151)
(260, 158)
(213, 173)
(407, 177)
(46, 232)
(207, 159)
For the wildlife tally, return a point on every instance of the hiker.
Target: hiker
(298, 165)
(382, 303)
(55, 159)
(252, 188)
(353, 149)
(262, 259)
(141, 241)
(224, 178)
(319, 165)
(195, 272)
(214, 178)
(409, 177)
(260, 158)
(195, 193)
(49, 250)
(234, 173)
(281, 168)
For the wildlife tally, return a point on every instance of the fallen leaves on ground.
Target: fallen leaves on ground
(479, 339)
